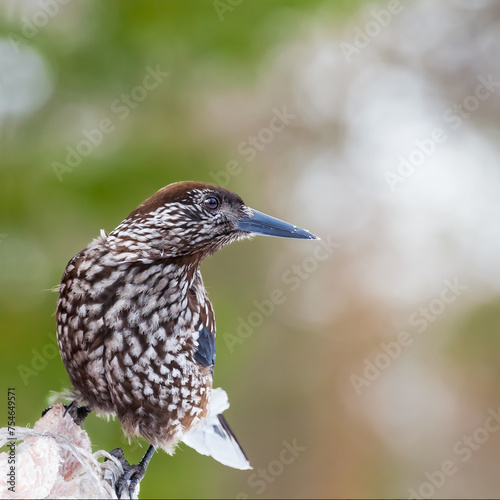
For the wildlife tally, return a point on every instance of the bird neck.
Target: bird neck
(128, 247)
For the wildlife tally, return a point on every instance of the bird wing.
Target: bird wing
(205, 352)
(213, 437)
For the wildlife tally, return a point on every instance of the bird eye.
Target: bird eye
(212, 203)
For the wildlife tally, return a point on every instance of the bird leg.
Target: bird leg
(132, 473)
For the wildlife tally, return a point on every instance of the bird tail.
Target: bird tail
(215, 438)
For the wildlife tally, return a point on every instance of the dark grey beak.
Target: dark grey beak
(266, 225)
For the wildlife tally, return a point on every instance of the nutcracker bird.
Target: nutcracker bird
(136, 329)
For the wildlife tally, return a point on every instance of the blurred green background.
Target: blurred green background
(382, 362)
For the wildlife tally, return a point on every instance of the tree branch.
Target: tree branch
(55, 460)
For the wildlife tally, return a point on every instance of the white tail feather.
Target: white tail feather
(213, 436)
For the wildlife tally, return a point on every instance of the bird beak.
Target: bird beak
(266, 225)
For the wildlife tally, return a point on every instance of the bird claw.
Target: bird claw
(131, 473)
(78, 413)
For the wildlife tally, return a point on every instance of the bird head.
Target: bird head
(194, 219)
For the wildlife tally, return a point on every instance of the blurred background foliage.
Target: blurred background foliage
(364, 86)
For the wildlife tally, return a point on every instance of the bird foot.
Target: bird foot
(131, 473)
(44, 412)
(78, 413)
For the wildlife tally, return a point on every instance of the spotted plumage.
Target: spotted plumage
(136, 329)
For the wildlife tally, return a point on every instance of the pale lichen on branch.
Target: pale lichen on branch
(55, 460)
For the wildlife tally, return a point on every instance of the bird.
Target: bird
(136, 329)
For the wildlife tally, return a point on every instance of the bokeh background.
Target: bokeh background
(381, 364)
